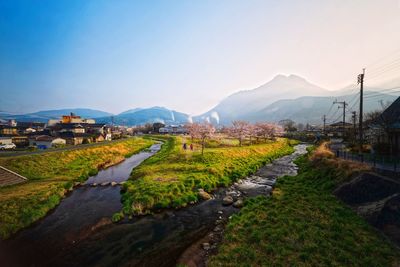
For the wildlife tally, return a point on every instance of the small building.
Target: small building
(337, 129)
(108, 137)
(45, 141)
(385, 130)
(173, 129)
(8, 130)
(72, 118)
(75, 138)
(95, 128)
(5, 141)
(20, 141)
(72, 127)
(30, 126)
(98, 138)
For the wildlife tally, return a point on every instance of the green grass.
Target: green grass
(171, 178)
(303, 224)
(50, 176)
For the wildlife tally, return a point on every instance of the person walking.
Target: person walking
(191, 147)
(184, 146)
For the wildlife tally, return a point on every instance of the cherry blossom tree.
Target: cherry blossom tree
(193, 129)
(239, 130)
(205, 131)
(266, 130)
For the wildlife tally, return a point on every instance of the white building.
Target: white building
(173, 129)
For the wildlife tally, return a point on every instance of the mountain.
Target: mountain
(83, 112)
(130, 111)
(244, 103)
(147, 115)
(309, 109)
(291, 97)
(45, 115)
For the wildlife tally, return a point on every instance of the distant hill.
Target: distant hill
(244, 103)
(287, 97)
(83, 112)
(45, 115)
(130, 111)
(310, 109)
(147, 115)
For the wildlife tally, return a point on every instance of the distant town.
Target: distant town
(71, 130)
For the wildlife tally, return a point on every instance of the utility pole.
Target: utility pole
(360, 114)
(354, 117)
(324, 119)
(344, 104)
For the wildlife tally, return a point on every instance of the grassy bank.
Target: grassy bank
(50, 176)
(172, 177)
(303, 224)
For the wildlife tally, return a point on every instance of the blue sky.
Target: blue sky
(185, 55)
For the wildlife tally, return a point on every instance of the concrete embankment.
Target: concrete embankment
(377, 199)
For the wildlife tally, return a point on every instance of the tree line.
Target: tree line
(240, 130)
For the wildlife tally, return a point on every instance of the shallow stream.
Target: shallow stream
(79, 232)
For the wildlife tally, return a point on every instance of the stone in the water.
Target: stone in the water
(94, 184)
(218, 228)
(233, 194)
(220, 212)
(204, 195)
(238, 203)
(206, 246)
(113, 183)
(105, 183)
(228, 200)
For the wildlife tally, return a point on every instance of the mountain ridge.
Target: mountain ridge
(283, 97)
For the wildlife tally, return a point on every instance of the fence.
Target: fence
(383, 164)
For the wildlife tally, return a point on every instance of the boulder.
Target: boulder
(233, 194)
(218, 228)
(94, 184)
(204, 195)
(228, 200)
(113, 183)
(238, 203)
(105, 183)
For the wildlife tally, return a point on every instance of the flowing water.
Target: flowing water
(79, 232)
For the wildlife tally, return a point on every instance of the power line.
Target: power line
(384, 57)
(388, 90)
(384, 67)
(330, 109)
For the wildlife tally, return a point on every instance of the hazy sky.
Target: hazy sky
(186, 55)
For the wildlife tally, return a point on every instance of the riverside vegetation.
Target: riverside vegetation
(172, 178)
(303, 224)
(50, 175)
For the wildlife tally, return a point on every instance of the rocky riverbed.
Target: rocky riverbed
(261, 183)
